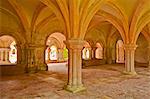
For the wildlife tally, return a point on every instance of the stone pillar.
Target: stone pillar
(7, 55)
(109, 55)
(90, 53)
(75, 66)
(48, 54)
(31, 68)
(2, 54)
(94, 52)
(129, 59)
(105, 54)
(60, 55)
(40, 58)
(35, 58)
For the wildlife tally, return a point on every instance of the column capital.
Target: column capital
(130, 46)
(74, 43)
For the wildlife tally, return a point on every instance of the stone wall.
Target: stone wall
(141, 54)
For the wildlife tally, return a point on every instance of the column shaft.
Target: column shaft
(75, 66)
(129, 59)
(2, 55)
(48, 54)
(60, 55)
(94, 52)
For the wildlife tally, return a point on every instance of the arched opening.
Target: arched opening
(120, 53)
(86, 51)
(56, 53)
(99, 51)
(8, 50)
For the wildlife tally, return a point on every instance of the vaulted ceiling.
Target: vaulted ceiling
(77, 18)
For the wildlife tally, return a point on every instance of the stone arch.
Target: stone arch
(8, 50)
(20, 66)
(86, 51)
(20, 40)
(99, 51)
(120, 53)
(56, 39)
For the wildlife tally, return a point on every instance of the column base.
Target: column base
(129, 73)
(74, 89)
(31, 70)
(43, 68)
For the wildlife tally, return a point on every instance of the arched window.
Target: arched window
(85, 53)
(120, 52)
(56, 51)
(8, 50)
(99, 51)
(53, 53)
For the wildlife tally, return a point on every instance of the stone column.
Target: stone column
(2, 55)
(94, 52)
(35, 58)
(40, 58)
(31, 68)
(105, 54)
(75, 66)
(129, 59)
(60, 55)
(109, 55)
(7, 55)
(90, 53)
(48, 54)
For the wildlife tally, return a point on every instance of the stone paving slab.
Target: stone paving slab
(102, 82)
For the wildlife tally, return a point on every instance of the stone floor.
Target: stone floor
(102, 82)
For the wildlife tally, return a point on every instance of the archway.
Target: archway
(8, 50)
(86, 52)
(99, 51)
(56, 53)
(120, 53)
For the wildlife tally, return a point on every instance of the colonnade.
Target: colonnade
(60, 57)
(92, 53)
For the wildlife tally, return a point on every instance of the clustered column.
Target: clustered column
(75, 66)
(93, 52)
(109, 55)
(4, 55)
(129, 58)
(60, 54)
(35, 58)
(90, 53)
